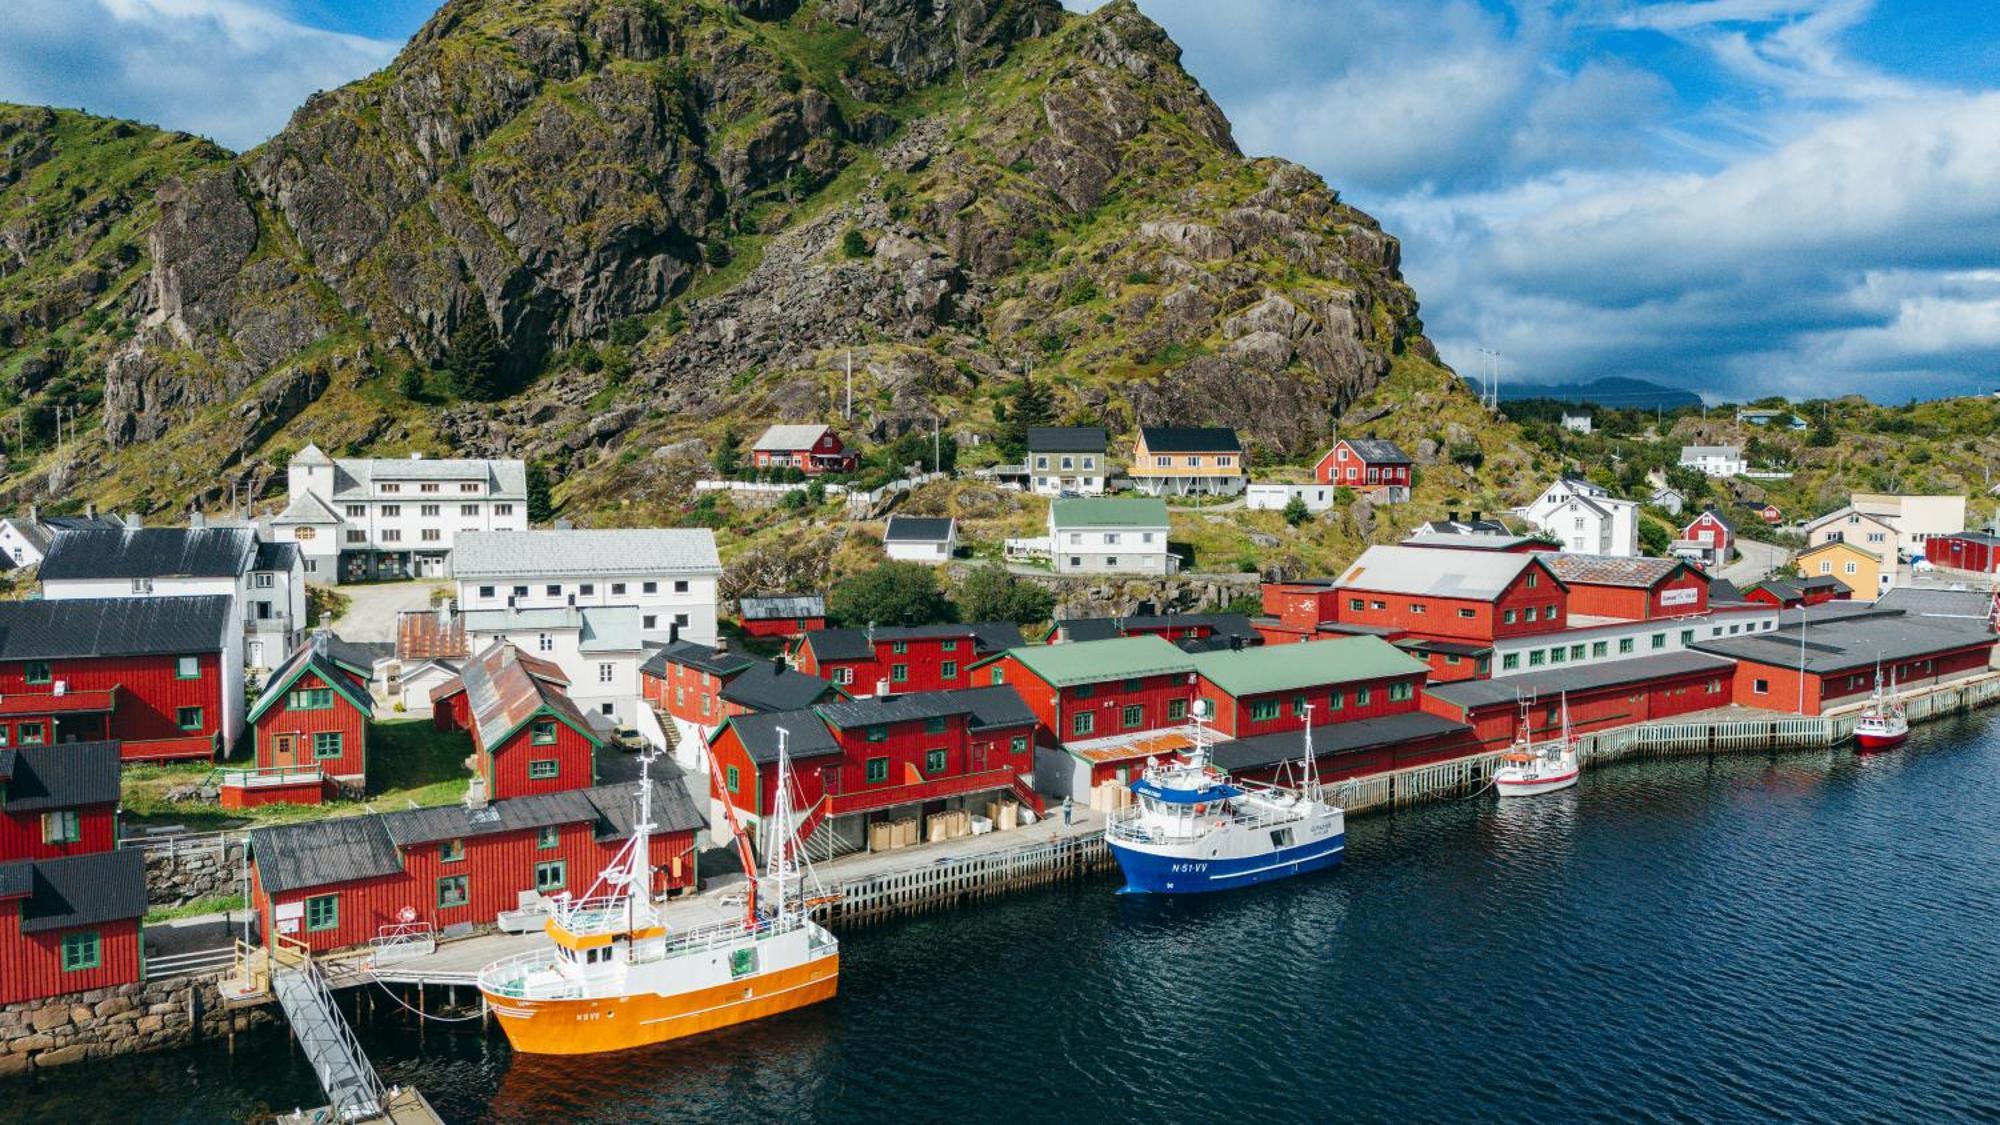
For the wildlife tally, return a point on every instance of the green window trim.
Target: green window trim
(543, 733)
(453, 891)
(189, 718)
(328, 744)
(1020, 744)
(1361, 697)
(1400, 692)
(1336, 701)
(62, 826)
(1132, 716)
(935, 761)
(950, 670)
(878, 770)
(1298, 706)
(731, 778)
(1176, 710)
(1083, 722)
(310, 699)
(451, 851)
(899, 647)
(544, 769)
(1263, 710)
(1083, 691)
(322, 913)
(1134, 684)
(187, 668)
(548, 838)
(878, 733)
(1576, 652)
(1537, 658)
(999, 675)
(37, 672)
(1510, 661)
(81, 951)
(934, 725)
(30, 734)
(899, 673)
(551, 875)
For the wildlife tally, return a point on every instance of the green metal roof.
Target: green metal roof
(1089, 662)
(1108, 512)
(1256, 671)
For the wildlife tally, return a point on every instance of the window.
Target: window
(189, 718)
(1576, 652)
(1624, 645)
(1019, 745)
(1510, 661)
(1548, 613)
(468, 509)
(1558, 654)
(878, 770)
(356, 511)
(604, 672)
(934, 726)
(1659, 640)
(352, 535)
(1176, 710)
(1761, 687)
(1687, 636)
(1851, 568)
(899, 673)
(649, 587)
(1263, 710)
(486, 591)
(81, 950)
(1083, 722)
(617, 589)
(61, 827)
(545, 643)
(142, 585)
(899, 647)
(1111, 539)
(311, 699)
(551, 875)
(1418, 607)
(950, 670)
(680, 586)
(1537, 658)
(1400, 692)
(846, 675)
(553, 589)
(544, 733)
(1467, 614)
(37, 672)
(1600, 648)
(1083, 691)
(326, 744)
(1335, 701)
(877, 733)
(31, 734)
(451, 851)
(1451, 658)
(1534, 580)
(503, 509)
(452, 892)
(934, 761)
(322, 913)
(428, 511)
(1132, 716)
(999, 675)
(430, 535)
(1356, 604)
(547, 838)
(681, 619)
(731, 778)
(392, 536)
(430, 487)
(650, 621)
(392, 510)
(1162, 462)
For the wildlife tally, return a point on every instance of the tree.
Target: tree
(989, 593)
(1654, 539)
(1295, 510)
(475, 359)
(853, 244)
(541, 504)
(1033, 407)
(891, 593)
(728, 454)
(410, 383)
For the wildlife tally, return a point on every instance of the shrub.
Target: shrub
(1296, 512)
(853, 244)
(628, 331)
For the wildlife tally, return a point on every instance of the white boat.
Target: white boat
(1882, 725)
(616, 978)
(1194, 830)
(1531, 768)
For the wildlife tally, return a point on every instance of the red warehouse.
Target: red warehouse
(1367, 465)
(1790, 593)
(528, 737)
(1471, 598)
(782, 615)
(1629, 589)
(1610, 694)
(343, 881)
(70, 924)
(698, 686)
(913, 658)
(58, 800)
(311, 728)
(1840, 657)
(1975, 551)
(1272, 690)
(161, 676)
(810, 449)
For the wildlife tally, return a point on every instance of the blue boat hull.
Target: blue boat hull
(1152, 873)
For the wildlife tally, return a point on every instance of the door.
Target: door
(284, 749)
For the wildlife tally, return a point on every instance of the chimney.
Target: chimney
(90, 511)
(1475, 515)
(778, 665)
(1451, 516)
(674, 632)
(133, 521)
(197, 520)
(34, 513)
(721, 644)
(1236, 642)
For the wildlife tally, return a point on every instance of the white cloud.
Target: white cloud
(233, 70)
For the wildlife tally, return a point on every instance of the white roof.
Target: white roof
(779, 439)
(600, 628)
(585, 553)
(354, 478)
(1442, 573)
(1728, 451)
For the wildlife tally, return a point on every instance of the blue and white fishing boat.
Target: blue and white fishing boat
(1193, 829)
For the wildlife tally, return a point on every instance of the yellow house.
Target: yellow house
(1184, 460)
(1860, 569)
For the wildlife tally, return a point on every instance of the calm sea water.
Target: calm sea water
(1807, 937)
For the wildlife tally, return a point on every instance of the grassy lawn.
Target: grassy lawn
(194, 909)
(409, 763)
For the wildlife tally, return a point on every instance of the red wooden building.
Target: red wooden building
(1712, 535)
(905, 659)
(1791, 593)
(1630, 589)
(70, 924)
(811, 449)
(1447, 606)
(1366, 465)
(339, 882)
(148, 673)
(528, 737)
(451, 711)
(877, 759)
(701, 685)
(781, 615)
(1840, 656)
(310, 725)
(1271, 690)
(1975, 551)
(58, 801)
(1192, 631)
(1609, 694)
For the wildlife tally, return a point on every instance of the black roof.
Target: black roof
(775, 607)
(151, 552)
(79, 890)
(1223, 625)
(1452, 648)
(995, 706)
(1190, 439)
(1823, 582)
(806, 735)
(1260, 751)
(67, 776)
(1067, 439)
(359, 654)
(75, 627)
(853, 644)
(917, 529)
(767, 686)
(317, 853)
(1378, 449)
(276, 556)
(1723, 590)
(1725, 521)
(1547, 685)
(695, 655)
(1840, 643)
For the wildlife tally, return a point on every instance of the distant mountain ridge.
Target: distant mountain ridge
(1617, 390)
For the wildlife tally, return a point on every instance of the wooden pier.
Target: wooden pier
(953, 881)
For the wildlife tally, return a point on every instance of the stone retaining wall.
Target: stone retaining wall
(1115, 596)
(122, 1020)
(210, 868)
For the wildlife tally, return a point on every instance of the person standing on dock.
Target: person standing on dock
(1066, 811)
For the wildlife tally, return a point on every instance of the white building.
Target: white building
(1917, 519)
(1603, 641)
(1067, 460)
(1586, 517)
(597, 647)
(363, 519)
(1276, 497)
(1576, 423)
(1715, 460)
(920, 539)
(667, 576)
(1105, 536)
(24, 540)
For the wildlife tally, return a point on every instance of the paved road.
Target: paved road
(371, 612)
(1757, 561)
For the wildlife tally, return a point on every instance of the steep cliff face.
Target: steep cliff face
(674, 214)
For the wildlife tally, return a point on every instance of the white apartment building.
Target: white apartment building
(597, 647)
(1917, 519)
(1715, 460)
(667, 576)
(1605, 640)
(363, 519)
(1105, 536)
(1067, 460)
(1586, 517)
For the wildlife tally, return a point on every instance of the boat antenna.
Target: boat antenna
(1199, 758)
(1310, 771)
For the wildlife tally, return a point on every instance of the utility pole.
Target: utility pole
(937, 446)
(850, 385)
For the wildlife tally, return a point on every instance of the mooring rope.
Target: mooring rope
(426, 1015)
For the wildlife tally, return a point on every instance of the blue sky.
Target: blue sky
(1740, 197)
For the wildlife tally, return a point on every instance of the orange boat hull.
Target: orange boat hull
(619, 1023)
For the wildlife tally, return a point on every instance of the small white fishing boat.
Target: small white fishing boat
(1882, 725)
(1532, 768)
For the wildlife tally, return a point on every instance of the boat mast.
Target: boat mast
(744, 854)
(1309, 775)
(640, 887)
(781, 821)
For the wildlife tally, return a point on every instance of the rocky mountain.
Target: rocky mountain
(674, 217)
